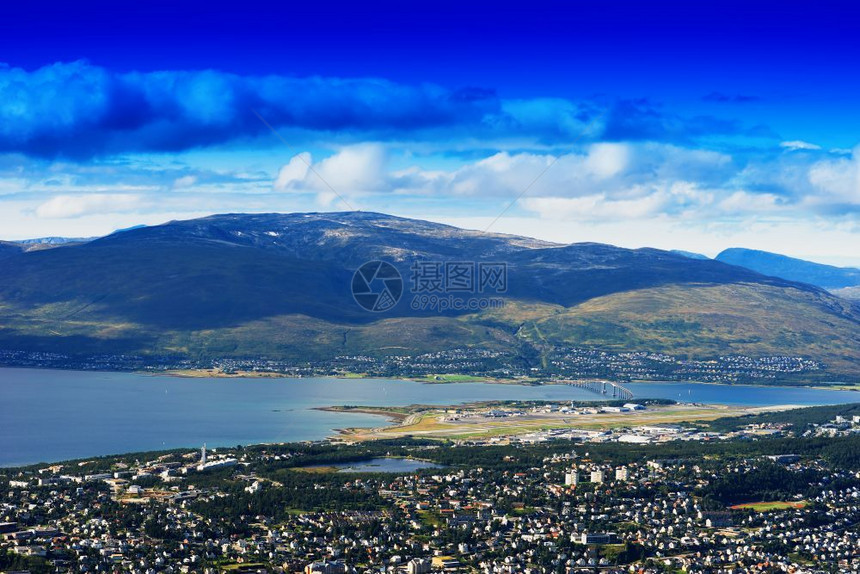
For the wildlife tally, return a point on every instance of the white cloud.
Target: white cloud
(293, 173)
(795, 145)
(10, 185)
(607, 159)
(500, 174)
(607, 180)
(328, 199)
(837, 180)
(184, 182)
(639, 202)
(354, 170)
(62, 206)
(618, 171)
(593, 188)
(596, 207)
(746, 202)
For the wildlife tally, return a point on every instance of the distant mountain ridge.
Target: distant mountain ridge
(53, 240)
(8, 248)
(776, 265)
(231, 268)
(277, 286)
(690, 254)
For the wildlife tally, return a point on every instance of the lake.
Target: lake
(48, 415)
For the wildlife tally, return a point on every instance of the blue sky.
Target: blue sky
(661, 124)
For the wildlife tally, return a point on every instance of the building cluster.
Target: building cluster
(544, 408)
(634, 434)
(566, 514)
(644, 366)
(839, 426)
(484, 362)
(563, 362)
(641, 434)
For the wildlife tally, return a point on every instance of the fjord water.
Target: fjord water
(48, 415)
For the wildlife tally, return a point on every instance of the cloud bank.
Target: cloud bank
(78, 110)
(621, 181)
(84, 146)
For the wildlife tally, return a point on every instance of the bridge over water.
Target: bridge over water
(604, 388)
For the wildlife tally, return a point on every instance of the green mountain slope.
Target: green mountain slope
(700, 321)
(276, 286)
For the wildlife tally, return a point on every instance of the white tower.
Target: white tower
(203, 454)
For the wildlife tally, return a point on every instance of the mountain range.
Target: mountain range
(278, 286)
(826, 276)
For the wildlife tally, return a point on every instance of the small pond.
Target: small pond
(392, 465)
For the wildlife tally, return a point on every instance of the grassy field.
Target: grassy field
(430, 518)
(316, 469)
(243, 566)
(840, 387)
(451, 378)
(767, 506)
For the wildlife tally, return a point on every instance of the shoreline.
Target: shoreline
(427, 380)
(377, 411)
(397, 420)
(402, 402)
(456, 379)
(440, 379)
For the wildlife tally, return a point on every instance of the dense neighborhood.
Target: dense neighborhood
(565, 362)
(738, 504)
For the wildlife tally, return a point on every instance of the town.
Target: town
(560, 362)
(785, 500)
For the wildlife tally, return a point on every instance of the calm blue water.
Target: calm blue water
(56, 415)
